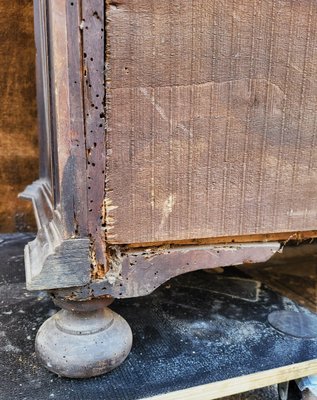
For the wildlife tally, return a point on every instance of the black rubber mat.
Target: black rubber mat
(196, 329)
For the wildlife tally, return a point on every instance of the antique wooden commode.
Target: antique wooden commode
(174, 136)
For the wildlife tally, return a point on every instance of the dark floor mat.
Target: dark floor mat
(187, 333)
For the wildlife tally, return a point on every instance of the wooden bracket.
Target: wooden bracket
(135, 272)
(52, 261)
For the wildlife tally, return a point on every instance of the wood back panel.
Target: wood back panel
(211, 119)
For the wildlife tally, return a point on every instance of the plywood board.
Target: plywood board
(211, 118)
(241, 384)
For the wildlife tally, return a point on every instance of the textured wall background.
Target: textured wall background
(18, 124)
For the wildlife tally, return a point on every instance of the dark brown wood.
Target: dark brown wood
(60, 196)
(138, 273)
(68, 132)
(93, 42)
(43, 90)
(211, 119)
(18, 124)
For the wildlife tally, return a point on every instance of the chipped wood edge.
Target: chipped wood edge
(138, 273)
(293, 236)
(60, 254)
(52, 261)
(242, 384)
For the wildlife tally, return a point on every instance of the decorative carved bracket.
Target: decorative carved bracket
(50, 260)
(140, 272)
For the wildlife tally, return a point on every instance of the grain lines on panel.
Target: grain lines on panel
(212, 105)
(93, 27)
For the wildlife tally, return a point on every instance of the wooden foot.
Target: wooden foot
(84, 339)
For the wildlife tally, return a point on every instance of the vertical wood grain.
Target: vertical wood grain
(93, 26)
(211, 118)
(68, 136)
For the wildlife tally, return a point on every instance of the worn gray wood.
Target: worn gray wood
(82, 343)
(68, 266)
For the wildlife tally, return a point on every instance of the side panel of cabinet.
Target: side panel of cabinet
(211, 119)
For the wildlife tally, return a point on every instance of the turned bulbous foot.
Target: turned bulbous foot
(83, 340)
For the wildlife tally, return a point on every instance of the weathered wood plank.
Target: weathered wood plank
(94, 121)
(242, 384)
(211, 119)
(68, 117)
(139, 272)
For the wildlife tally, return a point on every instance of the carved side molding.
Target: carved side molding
(50, 260)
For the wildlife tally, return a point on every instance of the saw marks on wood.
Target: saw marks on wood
(211, 119)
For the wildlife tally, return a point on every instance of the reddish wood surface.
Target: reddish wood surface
(18, 124)
(211, 119)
